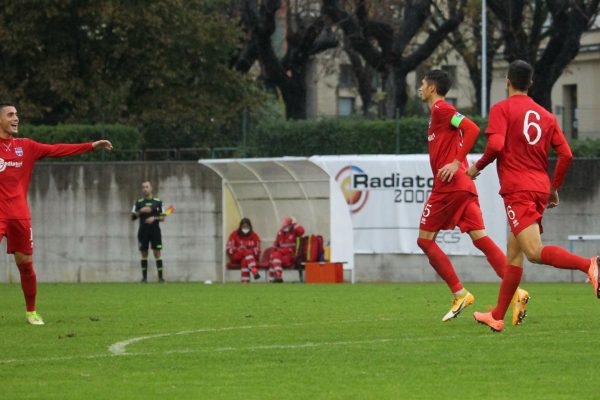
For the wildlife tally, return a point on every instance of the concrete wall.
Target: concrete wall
(83, 232)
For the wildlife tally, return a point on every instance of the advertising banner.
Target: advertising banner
(385, 195)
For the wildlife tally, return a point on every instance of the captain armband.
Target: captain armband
(456, 119)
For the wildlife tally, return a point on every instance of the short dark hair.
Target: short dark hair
(520, 74)
(6, 104)
(439, 79)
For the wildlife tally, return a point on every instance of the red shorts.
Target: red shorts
(448, 210)
(523, 209)
(19, 235)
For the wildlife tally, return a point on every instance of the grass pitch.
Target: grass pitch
(291, 341)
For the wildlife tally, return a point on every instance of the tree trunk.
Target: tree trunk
(388, 106)
(541, 92)
(364, 77)
(294, 96)
(401, 97)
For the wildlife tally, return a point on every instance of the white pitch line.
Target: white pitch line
(277, 346)
(120, 348)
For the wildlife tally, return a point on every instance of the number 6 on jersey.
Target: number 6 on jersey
(528, 124)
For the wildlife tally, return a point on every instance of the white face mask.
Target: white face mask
(245, 231)
(287, 228)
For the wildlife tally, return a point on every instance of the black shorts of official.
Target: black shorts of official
(149, 236)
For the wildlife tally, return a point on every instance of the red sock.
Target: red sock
(492, 252)
(441, 263)
(28, 284)
(508, 287)
(561, 258)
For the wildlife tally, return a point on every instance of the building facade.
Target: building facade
(332, 88)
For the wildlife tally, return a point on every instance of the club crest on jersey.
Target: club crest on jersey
(19, 151)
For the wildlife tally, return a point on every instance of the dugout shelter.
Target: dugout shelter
(268, 189)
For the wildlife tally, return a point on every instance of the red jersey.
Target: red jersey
(520, 133)
(287, 240)
(237, 241)
(17, 158)
(445, 141)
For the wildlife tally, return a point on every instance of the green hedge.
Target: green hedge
(585, 148)
(125, 139)
(338, 136)
(343, 136)
(335, 136)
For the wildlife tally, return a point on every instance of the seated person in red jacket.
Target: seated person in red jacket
(284, 248)
(243, 247)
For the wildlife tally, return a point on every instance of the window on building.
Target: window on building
(569, 119)
(345, 106)
(346, 75)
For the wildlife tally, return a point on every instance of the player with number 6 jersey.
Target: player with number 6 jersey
(520, 133)
(524, 131)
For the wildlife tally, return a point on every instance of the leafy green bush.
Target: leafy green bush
(341, 136)
(333, 136)
(585, 148)
(126, 140)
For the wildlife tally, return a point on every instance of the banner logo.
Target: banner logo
(356, 199)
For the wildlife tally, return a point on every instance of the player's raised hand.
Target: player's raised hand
(102, 145)
(473, 172)
(447, 172)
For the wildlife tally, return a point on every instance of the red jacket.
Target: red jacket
(287, 240)
(237, 242)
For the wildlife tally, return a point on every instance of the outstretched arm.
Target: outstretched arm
(63, 150)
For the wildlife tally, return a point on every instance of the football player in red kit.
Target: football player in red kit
(17, 158)
(243, 247)
(284, 248)
(454, 200)
(520, 133)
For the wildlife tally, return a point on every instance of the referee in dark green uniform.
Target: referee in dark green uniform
(149, 210)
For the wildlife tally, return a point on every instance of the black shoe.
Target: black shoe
(161, 280)
(277, 280)
(144, 280)
(257, 276)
